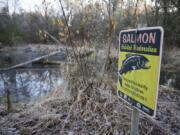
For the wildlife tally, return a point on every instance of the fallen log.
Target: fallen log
(30, 61)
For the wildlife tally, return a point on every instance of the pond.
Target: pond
(27, 85)
(30, 81)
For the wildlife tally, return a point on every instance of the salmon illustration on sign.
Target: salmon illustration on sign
(132, 62)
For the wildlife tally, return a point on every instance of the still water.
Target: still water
(29, 84)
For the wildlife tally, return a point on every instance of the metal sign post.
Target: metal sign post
(135, 122)
(135, 114)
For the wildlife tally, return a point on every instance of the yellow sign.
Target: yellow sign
(139, 67)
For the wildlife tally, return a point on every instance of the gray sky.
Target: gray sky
(32, 5)
(27, 5)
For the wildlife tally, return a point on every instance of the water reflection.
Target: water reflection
(28, 84)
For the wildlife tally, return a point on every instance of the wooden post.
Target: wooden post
(135, 122)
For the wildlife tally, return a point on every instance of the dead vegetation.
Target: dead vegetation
(90, 108)
(95, 110)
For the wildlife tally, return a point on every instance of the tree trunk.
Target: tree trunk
(165, 12)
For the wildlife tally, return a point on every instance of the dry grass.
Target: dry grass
(91, 109)
(95, 110)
